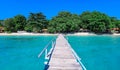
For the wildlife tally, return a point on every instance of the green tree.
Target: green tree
(58, 23)
(117, 24)
(64, 22)
(0, 23)
(96, 21)
(20, 22)
(84, 17)
(114, 22)
(36, 22)
(101, 21)
(9, 25)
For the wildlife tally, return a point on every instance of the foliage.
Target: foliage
(36, 22)
(20, 22)
(1, 22)
(64, 22)
(96, 21)
(9, 25)
(84, 17)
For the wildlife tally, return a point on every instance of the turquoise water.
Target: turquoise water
(20, 52)
(97, 52)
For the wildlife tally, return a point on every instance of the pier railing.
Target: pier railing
(46, 52)
(77, 57)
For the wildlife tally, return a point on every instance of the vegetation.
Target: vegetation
(20, 22)
(1, 22)
(36, 22)
(95, 21)
(64, 22)
(9, 25)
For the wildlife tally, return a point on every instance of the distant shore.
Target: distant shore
(88, 33)
(22, 34)
(37, 34)
(81, 33)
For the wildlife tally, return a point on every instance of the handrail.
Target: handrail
(39, 55)
(77, 57)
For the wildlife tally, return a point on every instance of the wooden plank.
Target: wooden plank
(62, 57)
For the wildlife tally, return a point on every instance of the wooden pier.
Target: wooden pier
(62, 57)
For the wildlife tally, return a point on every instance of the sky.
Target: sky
(50, 8)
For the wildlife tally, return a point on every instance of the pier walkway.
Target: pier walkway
(62, 57)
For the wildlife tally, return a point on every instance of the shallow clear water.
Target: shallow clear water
(97, 52)
(20, 52)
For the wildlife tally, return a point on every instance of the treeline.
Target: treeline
(34, 23)
(64, 22)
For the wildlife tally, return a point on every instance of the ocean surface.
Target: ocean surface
(97, 52)
(21, 52)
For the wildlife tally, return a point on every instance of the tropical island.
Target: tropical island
(64, 22)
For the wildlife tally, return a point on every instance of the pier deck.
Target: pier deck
(62, 57)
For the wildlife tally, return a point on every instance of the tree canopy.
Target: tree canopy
(1, 22)
(36, 22)
(63, 22)
(9, 25)
(20, 22)
(95, 21)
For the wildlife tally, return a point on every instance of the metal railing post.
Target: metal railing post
(46, 54)
(52, 44)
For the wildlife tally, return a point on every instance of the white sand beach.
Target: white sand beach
(82, 33)
(116, 33)
(3, 34)
(36, 34)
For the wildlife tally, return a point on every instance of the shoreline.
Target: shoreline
(50, 34)
(91, 34)
(27, 34)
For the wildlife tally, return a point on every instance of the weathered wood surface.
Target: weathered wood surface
(62, 57)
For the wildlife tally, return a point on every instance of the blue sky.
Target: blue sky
(50, 8)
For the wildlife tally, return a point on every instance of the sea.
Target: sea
(97, 52)
(21, 52)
